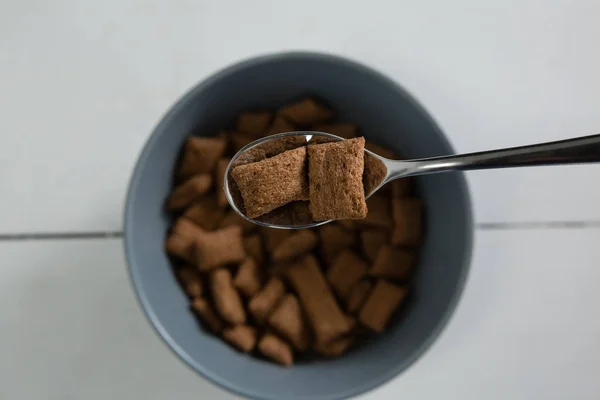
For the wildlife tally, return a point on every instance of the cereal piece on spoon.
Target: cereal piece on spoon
(375, 170)
(335, 179)
(277, 146)
(271, 183)
(374, 173)
(293, 213)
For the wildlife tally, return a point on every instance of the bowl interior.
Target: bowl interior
(385, 114)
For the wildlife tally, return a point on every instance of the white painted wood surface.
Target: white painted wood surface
(82, 83)
(526, 326)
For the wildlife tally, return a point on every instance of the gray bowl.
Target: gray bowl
(386, 114)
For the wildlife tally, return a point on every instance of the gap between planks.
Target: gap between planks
(482, 226)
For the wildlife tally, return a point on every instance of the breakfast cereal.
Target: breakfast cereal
(343, 130)
(381, 303)
(253, 247)
(263, 303)
(322, 310)
(227, 300)
(190, 281)
(295, 245)
(189, 191)
(306, 112)
(276, 349)
(335, 172)
(285, 292)
(241, 336)
(247, 279)
(358, 295)
(347, 270)
(180, 242)
(280, 125)
(381, 214)
(253, 123)
(200, 155)
(371, 241)
(207, 314)
(393, 264)
(407, 222)
(205, 213)
(288, 321)
(218, 248)
(334, 239)
(271, 183)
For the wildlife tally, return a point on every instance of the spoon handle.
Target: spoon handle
(585, 149)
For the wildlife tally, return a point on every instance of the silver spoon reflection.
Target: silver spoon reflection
(584, 149)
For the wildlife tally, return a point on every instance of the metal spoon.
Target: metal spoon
(580, 150)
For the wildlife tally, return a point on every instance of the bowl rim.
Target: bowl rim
(134, 181)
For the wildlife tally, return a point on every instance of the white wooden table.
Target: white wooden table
(82, 83)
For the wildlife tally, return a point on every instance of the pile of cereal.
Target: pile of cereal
(282, 293)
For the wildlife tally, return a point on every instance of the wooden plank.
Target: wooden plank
(82, 85)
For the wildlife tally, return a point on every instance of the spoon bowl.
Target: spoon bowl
(254, 152)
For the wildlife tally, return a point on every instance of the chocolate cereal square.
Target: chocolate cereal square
(219, 248)
(200, 155)
(253, 123)
(335, 175)
(271, 183)
(306, 112)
